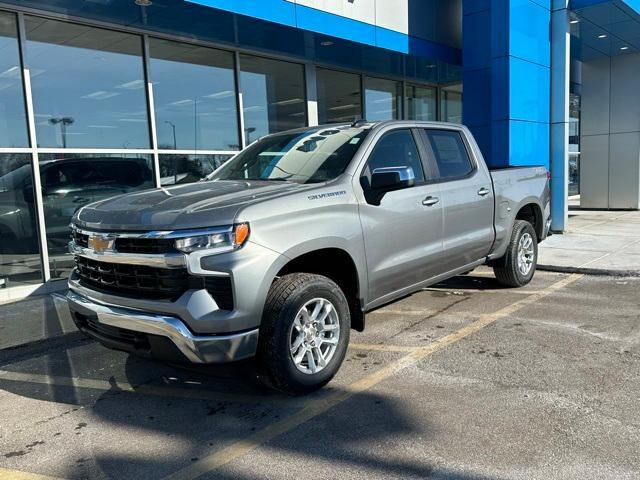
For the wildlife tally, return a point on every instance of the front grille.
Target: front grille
(139, 281)
(144, 282)
(145, 245)
(80, 239)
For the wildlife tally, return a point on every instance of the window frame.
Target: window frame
(430, 155)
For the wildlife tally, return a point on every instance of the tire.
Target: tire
(283, 324)
(508, 270)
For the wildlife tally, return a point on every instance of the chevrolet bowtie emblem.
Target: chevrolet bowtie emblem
(99, 243)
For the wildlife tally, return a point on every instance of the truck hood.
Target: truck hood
(183, 207)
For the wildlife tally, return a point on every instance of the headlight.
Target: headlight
(223, 241)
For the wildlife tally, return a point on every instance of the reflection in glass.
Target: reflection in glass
(88, 86)
(339, 96)
(316, 155)
(451, 104)
(194, 95)
(178, 169)
(273, 96)
(70, 181)
(19, 252)
(382, 99)
(13, 123)
(421, 103)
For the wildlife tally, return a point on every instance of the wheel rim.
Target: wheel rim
(314, 336)
(526, 254)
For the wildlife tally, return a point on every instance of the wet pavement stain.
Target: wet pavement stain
(19, 453)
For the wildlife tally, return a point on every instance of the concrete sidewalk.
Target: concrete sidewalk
(605, 242)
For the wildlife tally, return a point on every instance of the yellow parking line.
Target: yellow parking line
(316, 407)
(18, 475)
(381, 347)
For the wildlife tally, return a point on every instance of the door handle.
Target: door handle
(430, 201)
(483, 192)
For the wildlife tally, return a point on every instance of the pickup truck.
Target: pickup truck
(281, 251)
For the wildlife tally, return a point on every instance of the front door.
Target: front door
(403, 234)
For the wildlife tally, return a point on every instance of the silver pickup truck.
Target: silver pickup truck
(281, 251)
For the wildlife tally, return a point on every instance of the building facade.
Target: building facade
(102, 97)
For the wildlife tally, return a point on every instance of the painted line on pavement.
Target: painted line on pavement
(316, 407)
(382, 347)
(6, 474)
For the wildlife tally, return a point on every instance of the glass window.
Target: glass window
(421, 103)
(316, 155)
(13, 123)
(394, 149)
(450, 154)
(178, 169)
(88, 86)
(70, 181)
(19, 251)
(339, 96)
(383, 99)
(451, 104)
(273, 96)
(194, 95)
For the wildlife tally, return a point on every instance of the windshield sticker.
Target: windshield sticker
(355, 140)
(321, 196)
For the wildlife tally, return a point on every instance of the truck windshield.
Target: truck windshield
(313, 156)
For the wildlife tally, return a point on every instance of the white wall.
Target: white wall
(390, 14)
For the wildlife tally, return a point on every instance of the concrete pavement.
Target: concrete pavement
(604, 242)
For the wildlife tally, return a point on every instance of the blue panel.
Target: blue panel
(507, 80)
(500, 89)
(529, 32)
(477, 85)
(476, 49)
(279, 11)
(529, 143)
(500, 144)
(335, 25)
(392, 40)
(529, 91)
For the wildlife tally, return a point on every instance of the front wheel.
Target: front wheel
(517, 267)
(304, 333)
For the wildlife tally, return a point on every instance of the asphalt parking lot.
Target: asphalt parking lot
(463, 381)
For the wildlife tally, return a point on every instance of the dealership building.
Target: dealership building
(102, 97)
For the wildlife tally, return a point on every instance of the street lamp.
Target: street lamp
(63, 121)
(173, 126)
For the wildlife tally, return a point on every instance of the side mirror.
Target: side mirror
(389, 179)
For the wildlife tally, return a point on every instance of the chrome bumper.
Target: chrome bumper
(195, 348)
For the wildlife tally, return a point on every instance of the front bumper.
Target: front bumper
(157, 336)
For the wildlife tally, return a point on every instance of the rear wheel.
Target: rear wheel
(304, 333)
(517, 267)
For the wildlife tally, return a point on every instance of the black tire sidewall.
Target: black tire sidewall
(278, 327)
(521, 229)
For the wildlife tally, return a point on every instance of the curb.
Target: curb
(590, 271)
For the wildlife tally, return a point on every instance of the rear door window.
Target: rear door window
(449, 153)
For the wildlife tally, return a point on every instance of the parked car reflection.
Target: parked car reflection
(19, 252)
(71, 182)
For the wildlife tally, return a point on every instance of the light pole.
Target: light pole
(63, 121)
(173, 126)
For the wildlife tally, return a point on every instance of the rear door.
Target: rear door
(402, 235)
(466, 193)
